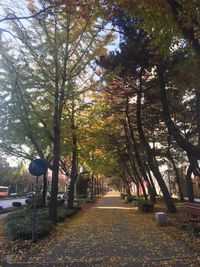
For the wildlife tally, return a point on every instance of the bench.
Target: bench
(193, 211)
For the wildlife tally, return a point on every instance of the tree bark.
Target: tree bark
(181, 141)
(92, 187)
(55, 174)
(137, 155)
(153, 165)
(173, 130)
(198, 115)
(189, 183)
(133, 164)
(177, 176)
(44, 191)
(73, 175)
(150, 177)
(188, 31)
(56, 134)
(125, 167)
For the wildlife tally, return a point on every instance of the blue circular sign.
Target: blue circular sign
(38, 167)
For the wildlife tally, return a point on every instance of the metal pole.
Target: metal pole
(34, 212)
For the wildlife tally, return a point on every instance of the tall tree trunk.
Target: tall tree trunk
(58, 103)
(137, 155)
(133, 178)
(92, 187)
(133, 164)
(189, 183)
(173, 130)
(73, 176)
(125, 180)
(128, 191)
(191, 169)
(181, 141)
(188, 30)
(55, 174)
(123, 162)
(198, 115)
(153, 165)
(44, 191)
(148, 171)
(177, 176)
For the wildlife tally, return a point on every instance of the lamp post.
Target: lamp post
(37, 168)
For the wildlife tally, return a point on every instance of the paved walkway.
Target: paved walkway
(112, 233)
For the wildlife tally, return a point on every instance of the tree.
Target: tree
(174, 28)
(136, 61)
(51, 58)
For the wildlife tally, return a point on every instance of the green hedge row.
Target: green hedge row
(145, 205)
(130, 199)
(18, 225)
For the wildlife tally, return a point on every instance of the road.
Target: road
(7, 203)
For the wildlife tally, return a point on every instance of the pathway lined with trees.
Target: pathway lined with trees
(108, 86)
(112, 233)
(70, 100)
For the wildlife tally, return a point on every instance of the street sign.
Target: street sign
(83, 170)
(38, 167)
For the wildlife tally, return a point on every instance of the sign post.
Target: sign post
(37, 168)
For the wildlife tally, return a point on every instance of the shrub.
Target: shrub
(60, 202)
(130, 199)
(64, 212)
(18, 225)
(123, 195)
(82, 196)
(38, 199)
(90, 201)
(16, 204)
(145, 205)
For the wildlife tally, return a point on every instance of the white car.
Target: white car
(14, 194)
(61, 195)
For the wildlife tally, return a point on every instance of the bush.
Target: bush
(130, 199)
(90, 201)
(60, 202)
(38, 199)
(82, 196)
(18, 225)
(145, 205)
(64, 212)
(123, 195)
(16, 204)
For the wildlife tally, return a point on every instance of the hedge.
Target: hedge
(145, 205)
(130, 198)
(18, 225)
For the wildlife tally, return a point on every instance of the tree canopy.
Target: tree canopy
(66, 96)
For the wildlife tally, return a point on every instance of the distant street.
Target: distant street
(7, 203)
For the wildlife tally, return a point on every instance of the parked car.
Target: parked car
(30, 194)
(13, 194)
(61, 195)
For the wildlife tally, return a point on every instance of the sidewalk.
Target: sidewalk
(112, 233)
